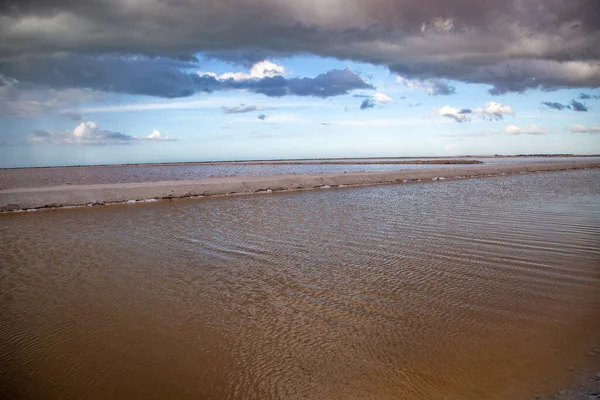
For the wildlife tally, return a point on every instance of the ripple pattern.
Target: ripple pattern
(475, 289)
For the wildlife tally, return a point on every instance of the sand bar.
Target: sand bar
(100, 194)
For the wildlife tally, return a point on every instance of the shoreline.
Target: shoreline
(23, 199)
(585, 382)
(322, 161)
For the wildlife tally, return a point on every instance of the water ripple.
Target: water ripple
(456, 290)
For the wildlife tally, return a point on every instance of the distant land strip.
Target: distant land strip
(321, 161)
(355, 162)
(325, 161)
(21, 199)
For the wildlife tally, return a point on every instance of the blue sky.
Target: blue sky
(72, 111)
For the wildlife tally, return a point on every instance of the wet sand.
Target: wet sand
(586, 381)
(101, 194)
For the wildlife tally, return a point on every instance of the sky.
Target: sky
(132, 81)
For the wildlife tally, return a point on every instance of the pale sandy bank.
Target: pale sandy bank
(79, 195)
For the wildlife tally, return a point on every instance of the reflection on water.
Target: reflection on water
(35, 177)
(476, 289)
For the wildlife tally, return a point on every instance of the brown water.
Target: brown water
(473, 289)
(36, 177)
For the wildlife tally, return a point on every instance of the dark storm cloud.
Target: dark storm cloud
(367, 103)
(585, 96)
(134, 75)
(332, 83)
(442, 88)
(188, 58)
(512, 45)
(262, 117)
(163, 77)
(554, 105)
(573, 105)
(577, 106)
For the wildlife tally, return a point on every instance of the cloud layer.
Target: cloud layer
(23, 100)
(163, 77)
(511, 45)
(435, 87)
(240, 109)
(586, 96)
(585, 129)
(529, 130)
(90, 133)
(332, 83)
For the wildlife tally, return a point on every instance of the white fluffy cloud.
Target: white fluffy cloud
(157, 135)
(491, 111)
(585, 129)
(88, 132)
(530, 130)
(85, 130)
(512, 129)
(382, 98)
(455, 113)
(260, 70)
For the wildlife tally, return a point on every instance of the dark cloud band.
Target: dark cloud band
(512, 45)
(164, 77)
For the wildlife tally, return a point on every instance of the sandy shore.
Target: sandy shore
(100, 194)
(585, 381)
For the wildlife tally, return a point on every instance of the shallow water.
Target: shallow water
(471, 289)
(35, 177)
